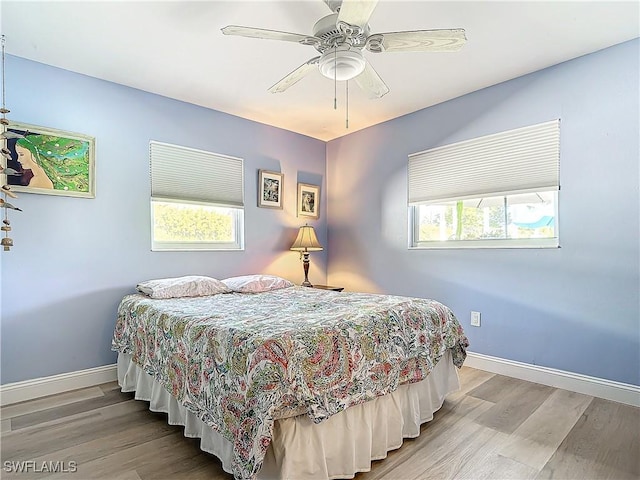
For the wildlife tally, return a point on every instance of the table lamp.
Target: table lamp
(306, 242)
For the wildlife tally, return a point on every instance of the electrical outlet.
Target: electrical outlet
(475, 319)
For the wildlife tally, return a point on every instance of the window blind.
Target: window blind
(181, 173)
(516, 161)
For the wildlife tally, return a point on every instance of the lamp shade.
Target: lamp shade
(306, 241)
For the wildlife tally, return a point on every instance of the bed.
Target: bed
(269, 381)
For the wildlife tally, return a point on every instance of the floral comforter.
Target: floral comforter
(236, 360)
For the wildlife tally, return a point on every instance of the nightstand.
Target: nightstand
(328, 287)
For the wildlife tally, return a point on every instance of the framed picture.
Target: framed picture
(308, 200)
(271, 189)
(51, 162)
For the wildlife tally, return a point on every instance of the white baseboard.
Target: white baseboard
(41, 387)
(574, 382)
(596, 387)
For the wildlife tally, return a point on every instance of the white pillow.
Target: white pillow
(256, 283)
(188, 286)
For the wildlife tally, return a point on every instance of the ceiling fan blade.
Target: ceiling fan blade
(356, 12)
(334, 5)
(450, 40)
(268, 34)
(295, 76)
(371, 83)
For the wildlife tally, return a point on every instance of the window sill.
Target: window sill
(480, 244)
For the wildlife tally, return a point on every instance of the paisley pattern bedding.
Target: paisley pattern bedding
(238, 361)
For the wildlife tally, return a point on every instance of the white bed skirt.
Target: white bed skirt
(339, 447)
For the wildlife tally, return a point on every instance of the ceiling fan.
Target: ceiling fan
(340, 38)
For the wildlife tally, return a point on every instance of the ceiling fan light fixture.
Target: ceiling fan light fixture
(341, 64)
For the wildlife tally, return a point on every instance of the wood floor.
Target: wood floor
(495, 427)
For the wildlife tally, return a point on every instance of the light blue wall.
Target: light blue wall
(75, 258)
(576, 308)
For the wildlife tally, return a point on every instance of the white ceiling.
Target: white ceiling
(176, 49)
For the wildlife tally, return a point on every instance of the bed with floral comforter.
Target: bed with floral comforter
(239, 361)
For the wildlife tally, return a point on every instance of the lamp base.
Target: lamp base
(305, 266)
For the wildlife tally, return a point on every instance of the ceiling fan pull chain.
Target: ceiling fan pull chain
(335, 77)
(347, 119)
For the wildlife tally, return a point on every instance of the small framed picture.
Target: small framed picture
(50, 161)
(308, 200)
(271, 189)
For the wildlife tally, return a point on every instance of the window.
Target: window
(197, 199)
(495, 191)
(523, 219)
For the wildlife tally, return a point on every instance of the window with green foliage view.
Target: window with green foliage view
(527, 219)
(182, 226)
(496, 191)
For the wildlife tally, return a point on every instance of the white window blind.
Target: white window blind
(520, 160)
(181, 173)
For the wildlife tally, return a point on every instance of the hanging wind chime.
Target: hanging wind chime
(6, 241)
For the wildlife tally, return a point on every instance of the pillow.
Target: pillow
(256, 283)
(188, 286)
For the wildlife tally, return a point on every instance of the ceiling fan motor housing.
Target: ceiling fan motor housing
(340, 46)
(333, 33)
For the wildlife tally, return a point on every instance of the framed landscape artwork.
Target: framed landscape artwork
(308, 200)
(271, 189)
(51, 162)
